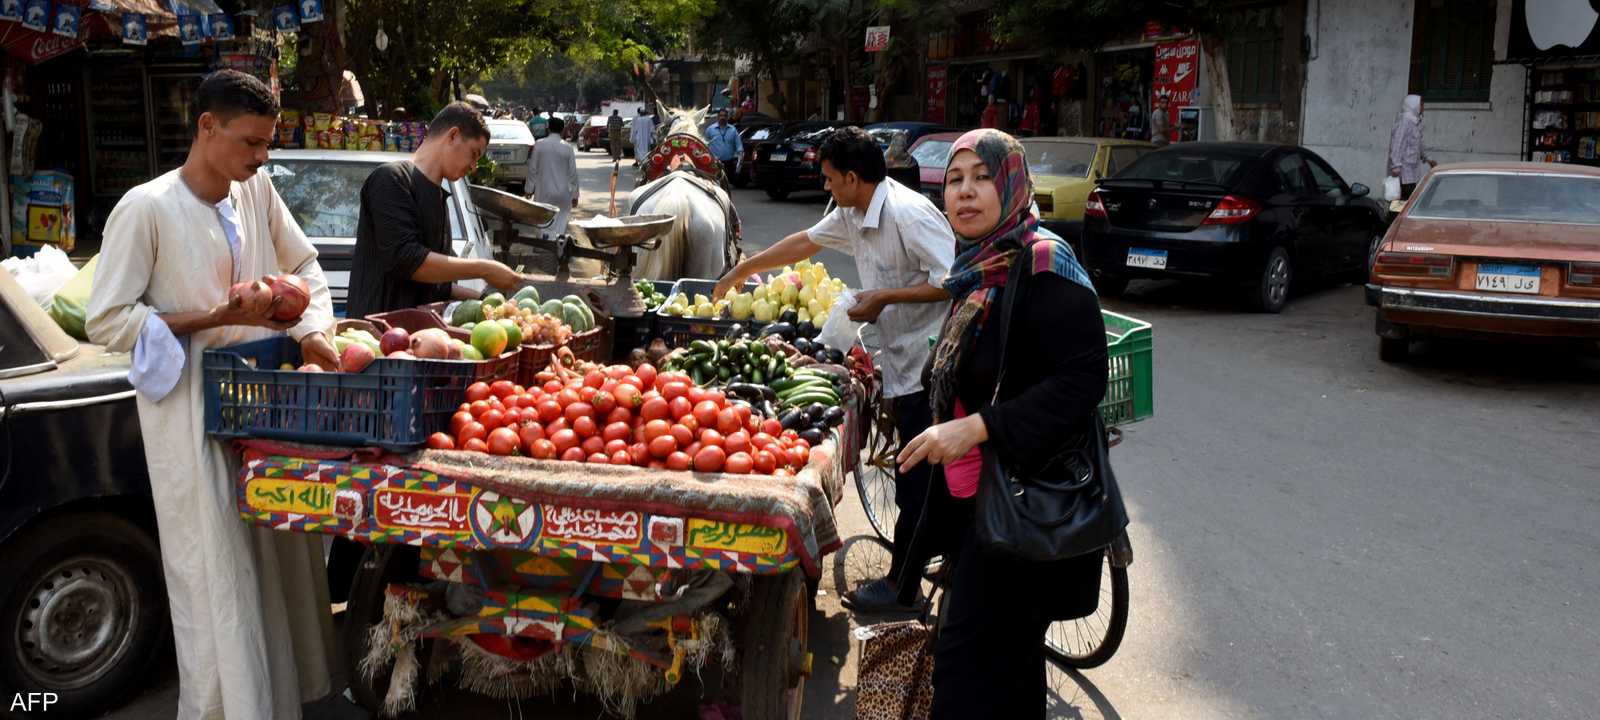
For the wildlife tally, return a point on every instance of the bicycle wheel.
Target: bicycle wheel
(1089, 642)
(875, 474)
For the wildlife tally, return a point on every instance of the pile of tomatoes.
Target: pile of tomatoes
(619, 415)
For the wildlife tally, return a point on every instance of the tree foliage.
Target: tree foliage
(434, 42)
(1085, 24)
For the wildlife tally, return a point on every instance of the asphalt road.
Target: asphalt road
(1317, 534)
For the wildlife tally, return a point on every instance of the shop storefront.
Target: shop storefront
(1130, 76)
(969, 71)
(109, 109)
(1561, 49)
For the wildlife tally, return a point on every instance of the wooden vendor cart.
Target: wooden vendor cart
(510, 576)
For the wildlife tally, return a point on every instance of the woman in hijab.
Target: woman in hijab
(1406, 154)
(989, 661)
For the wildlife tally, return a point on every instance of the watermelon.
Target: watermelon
(469, 311)
(573, 316)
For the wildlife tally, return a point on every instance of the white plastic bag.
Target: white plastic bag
(1391, 188)
(839, 331)
(43, 274)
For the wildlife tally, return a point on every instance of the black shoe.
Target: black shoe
(877, 596)
(333, 707)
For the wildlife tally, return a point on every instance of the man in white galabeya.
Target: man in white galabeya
(249, 605)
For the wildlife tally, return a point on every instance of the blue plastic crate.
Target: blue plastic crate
(393, 404)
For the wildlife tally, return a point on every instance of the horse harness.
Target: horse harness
(684, 153)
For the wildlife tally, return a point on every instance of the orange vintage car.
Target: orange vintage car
(1509, 248)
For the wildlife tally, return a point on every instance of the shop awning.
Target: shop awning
(161, 16)
(33, 46)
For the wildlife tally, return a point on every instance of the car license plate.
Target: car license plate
(500, 154)
(1152, 259)
(1502, 277)
(778, 156)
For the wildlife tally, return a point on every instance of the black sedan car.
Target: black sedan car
(787, 161)
(752, 135)
(1252, 214)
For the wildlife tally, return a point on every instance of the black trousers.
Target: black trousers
(989, 660)
(1406, 190)
(912, 415)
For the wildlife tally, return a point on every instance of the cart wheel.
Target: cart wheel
(380, 566)
(774, 659)
(1089, 642)
(875, 474)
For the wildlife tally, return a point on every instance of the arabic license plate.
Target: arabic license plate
(1152, 259)
(501, 154)
(778, 156)
(1502, 277)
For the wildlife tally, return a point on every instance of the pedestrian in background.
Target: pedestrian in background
(644, 134)
(725, 144)
(1161, 123)
(989, 660)
(1406, 153)
(614, 134)
(553, 175)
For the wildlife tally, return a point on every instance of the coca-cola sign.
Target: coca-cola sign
(34, 47)
(45, 47)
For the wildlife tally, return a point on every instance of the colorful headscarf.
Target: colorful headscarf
(983, 264)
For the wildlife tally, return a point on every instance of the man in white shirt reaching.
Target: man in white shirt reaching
(903, 247)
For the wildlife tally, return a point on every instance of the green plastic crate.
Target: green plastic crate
(1131, 370)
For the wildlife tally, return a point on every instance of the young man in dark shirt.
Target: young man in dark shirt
(403, 256)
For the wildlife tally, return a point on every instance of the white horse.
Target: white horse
(699, 245)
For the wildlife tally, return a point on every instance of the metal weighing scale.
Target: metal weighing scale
(611, 245)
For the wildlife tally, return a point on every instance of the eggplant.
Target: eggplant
(833, 416)
(735, 331)
(812, 435)
(836, 357)
(781, 329)
(793, 419)
(789, 317)
(815, 411)
(821, 356)
(752, 390)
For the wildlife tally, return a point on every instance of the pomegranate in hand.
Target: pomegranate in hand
(253, 297)
(292, 294)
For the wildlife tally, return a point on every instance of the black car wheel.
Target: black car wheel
(777, 192)
(1109, 286)
(1271, 291)
(83, 611)
(1394, 350)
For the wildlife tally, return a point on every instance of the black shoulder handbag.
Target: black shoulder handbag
(1072, 506)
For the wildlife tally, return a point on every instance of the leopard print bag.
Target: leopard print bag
(895, 681)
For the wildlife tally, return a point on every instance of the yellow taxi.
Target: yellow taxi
(1065, 169)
